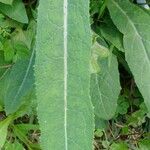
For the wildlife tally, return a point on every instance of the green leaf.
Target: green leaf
(19, 84)
(106, 71)
(13, 146)
(27, 127)
(4, 71)
(105, 88)
(22, 137)
(2, 63)
(138, 117)
(9, 2)
(25, 37)
(121, 60)
(8, 51)
(100, 124)
(62, 73)
(22, 51)
(28, 104)
(3, 130)
(3, 79)
(110, 33)
(99, 133)
(123, 105)
(16, 11)
(144, 145)
(119, 146)
(98, 50)
(134, 23)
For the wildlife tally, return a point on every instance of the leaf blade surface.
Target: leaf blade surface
(19, 84)
(134, 23)
(63, 76)
(105, 88)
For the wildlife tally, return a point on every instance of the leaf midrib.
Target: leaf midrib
(65, 70)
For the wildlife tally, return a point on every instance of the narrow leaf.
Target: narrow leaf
(134, 23)
(63, 75)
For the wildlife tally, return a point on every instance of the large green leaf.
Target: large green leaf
(63, 76)
(19, 84)
(105, 87)
(15, 11)
(134, 23)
